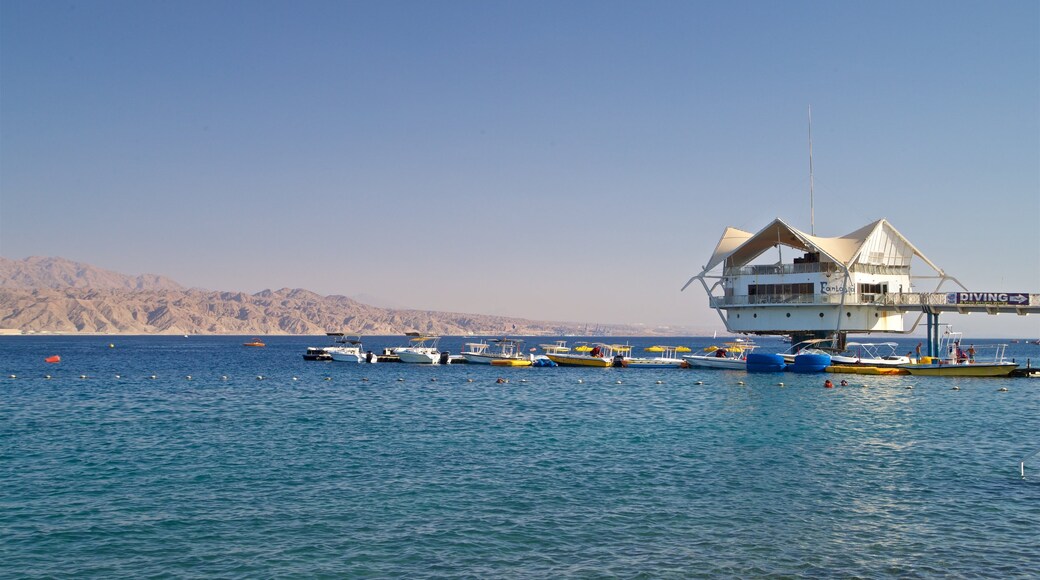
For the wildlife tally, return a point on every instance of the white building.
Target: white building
(826, 285)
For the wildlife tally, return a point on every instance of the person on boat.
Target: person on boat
(595, 351)
(720, 353)
(971, 352)
(918, 350)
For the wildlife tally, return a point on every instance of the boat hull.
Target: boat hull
(345, 354)
(510, 362)
(962, 370)
(487, 359)
(653, 363)
(865, 370)
(713, 362)
(578, 360)
(418, 357)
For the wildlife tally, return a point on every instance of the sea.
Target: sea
(198, 457)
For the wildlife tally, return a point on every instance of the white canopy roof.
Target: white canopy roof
(875, 243)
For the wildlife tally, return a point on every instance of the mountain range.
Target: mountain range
(48, 294)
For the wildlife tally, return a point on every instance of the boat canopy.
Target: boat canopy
(877, 243)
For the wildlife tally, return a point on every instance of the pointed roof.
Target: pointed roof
(868, 244)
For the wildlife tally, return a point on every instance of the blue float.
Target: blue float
(810, 363)
(765, 363)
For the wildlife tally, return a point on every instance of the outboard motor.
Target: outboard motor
(619, 361)
(445, 358)
(370, 358)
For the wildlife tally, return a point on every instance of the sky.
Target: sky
(572, 161)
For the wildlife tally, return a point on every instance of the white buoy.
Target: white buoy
(12, 377)
(1002, 390)
(433, 379)
(660, 382)
(400, 379)
(908, 387)
(152, 377)
(83, 376)
(188, 377)
(740, 382)
(223, 377)
(118, 377)
(295, 378)
(364, 379)
(110, 345)
(580, 381)
(955, 388)
(328, 378)
(469, 380)
(779, 384)
(618, 382)
(523, 380)
(46, 376)
(259, 377)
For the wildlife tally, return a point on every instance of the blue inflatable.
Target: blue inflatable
(765, 363)
(810, 363)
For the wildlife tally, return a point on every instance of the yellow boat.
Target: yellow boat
(511, 362)
(864, 370)
(996, 369)
(585, 355)
(962, 360)
(254, 342)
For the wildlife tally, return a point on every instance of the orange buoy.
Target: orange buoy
(53, 359)
(828, 384)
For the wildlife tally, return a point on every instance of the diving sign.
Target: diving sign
(988, 298)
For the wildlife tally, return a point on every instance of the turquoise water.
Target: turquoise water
(403, 471)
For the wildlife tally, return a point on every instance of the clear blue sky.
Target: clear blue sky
(553, 160)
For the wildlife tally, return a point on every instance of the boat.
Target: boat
(731, 356)
(497, 352)
(982, 361)
(668, 358)
(254, 342)
(870, 354)
(349, 350)
(421, 349)
(587, 355)
(316, 353)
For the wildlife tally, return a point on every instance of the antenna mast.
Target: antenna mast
(812, 210)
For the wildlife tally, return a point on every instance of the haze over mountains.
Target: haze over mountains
(42, 294)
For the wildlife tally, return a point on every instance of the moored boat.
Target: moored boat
(498, 352)
(666, 359)
(421, 349)
(348, 350)
(316, 353)
(731, 356)
(587, 355)
(254, 342)
(957, 361)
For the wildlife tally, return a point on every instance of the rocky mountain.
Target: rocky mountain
(57, 295)
(42, 272)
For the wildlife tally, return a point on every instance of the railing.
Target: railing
(812, 268)
(744, 300)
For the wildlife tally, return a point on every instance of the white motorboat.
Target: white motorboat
(855, 354)
(731, 356)
(497, 352)
(421, 349)
(345, 349)
(870, 354)
(668, 358)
